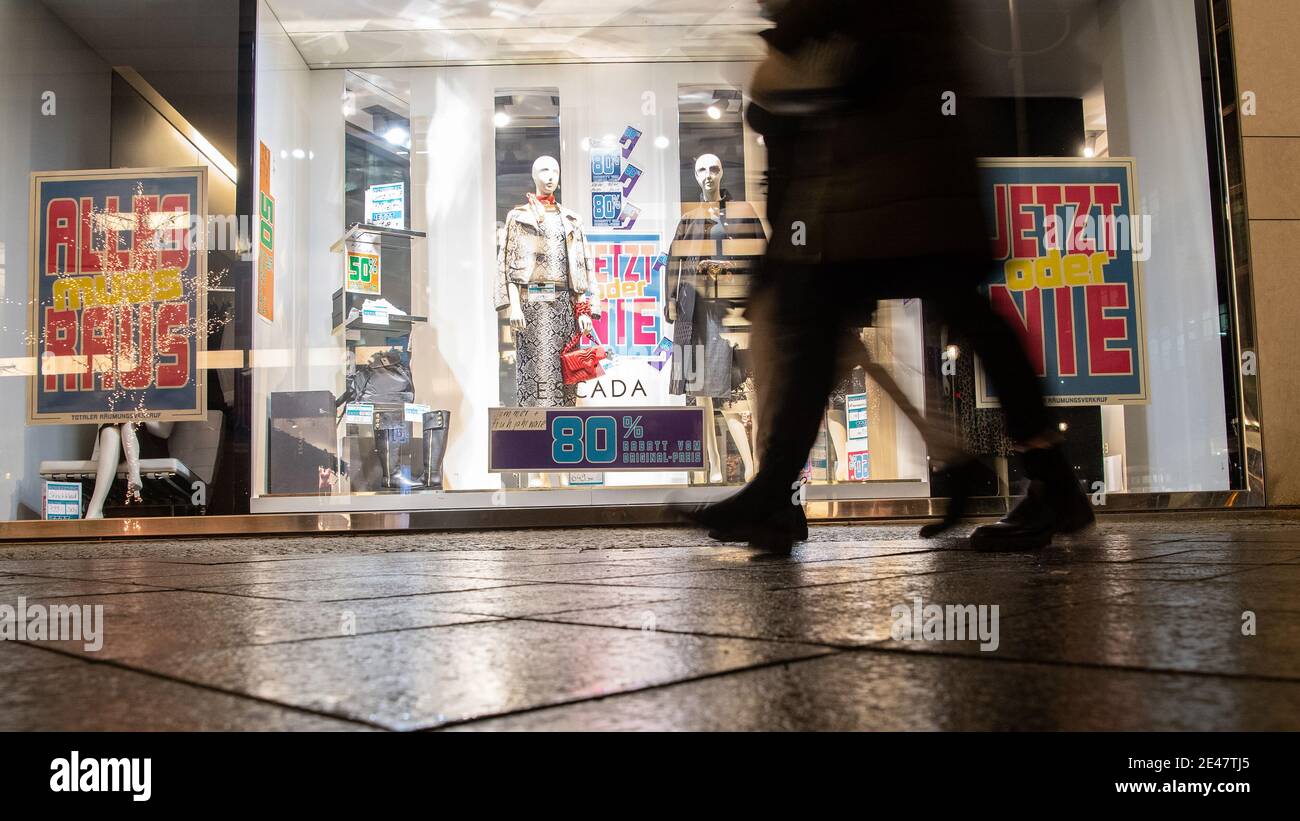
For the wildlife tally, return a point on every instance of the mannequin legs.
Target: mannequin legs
(131, 449)
(837, 421)
(110, 452)
(118, 442)
(711, 440)
(736, 427)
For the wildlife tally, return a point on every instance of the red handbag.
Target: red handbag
(581, 364)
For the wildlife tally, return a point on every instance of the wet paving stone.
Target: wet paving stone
(98, 698)
(423, 678)
(886, 691)
(1137, 624)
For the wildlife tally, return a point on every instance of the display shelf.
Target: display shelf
(355, 324)
(360, 231)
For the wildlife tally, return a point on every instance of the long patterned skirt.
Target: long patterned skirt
(539, 377)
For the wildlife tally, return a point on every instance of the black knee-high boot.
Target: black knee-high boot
(436, 426)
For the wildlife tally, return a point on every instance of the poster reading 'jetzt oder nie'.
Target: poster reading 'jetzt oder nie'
(1068, 246)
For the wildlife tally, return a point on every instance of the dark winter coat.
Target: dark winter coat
(880, 168)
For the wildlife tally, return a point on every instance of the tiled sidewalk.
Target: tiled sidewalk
(1139, 625)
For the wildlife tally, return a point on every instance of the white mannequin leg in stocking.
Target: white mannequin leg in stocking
(736, 427)
(835, 420)
(110, 453)
(711, 440)
(131, 449)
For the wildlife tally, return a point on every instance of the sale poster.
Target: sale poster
(1068, 245)
(362, 275)
(118, 279)
(629, 271)
(589, 440)
(265, 236)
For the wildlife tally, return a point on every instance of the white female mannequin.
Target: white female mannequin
(542, 282)
(703, 235)
(116, 441)
(546, 181)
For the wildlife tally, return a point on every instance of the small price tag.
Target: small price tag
(415, 413)
(374, 316)
(541, 293)
(855, 405)
(62, 500)
(360, 413)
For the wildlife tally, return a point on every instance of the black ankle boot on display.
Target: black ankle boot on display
(436, 426)
(962, 479)
(1054, 504)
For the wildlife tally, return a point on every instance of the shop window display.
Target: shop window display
(435, 239)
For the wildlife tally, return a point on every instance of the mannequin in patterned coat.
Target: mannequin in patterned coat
(543, 273)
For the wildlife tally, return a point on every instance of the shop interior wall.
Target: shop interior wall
(38, 53)
(1155, 113)
(1268, 68)
(299, 119)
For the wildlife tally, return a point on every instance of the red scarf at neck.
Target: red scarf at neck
(545, 199)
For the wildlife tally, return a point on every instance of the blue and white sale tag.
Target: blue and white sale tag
(606, 209)
(412, 412)
(855, 405)
(359, 413)
(377, 315)
(63, 500)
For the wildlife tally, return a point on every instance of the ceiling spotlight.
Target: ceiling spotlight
(397, 135)
(501, 119)
(714, 112)
(662, 142)
(1089, 152)
(298, 154)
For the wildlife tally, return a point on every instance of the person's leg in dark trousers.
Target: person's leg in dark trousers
(970, 316)
(1055, 503)
(800, 325)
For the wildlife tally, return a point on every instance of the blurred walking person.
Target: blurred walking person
(873, 194)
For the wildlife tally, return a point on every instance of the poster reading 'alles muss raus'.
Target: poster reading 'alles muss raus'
(118, 275)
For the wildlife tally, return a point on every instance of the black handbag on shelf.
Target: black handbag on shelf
(385, 379)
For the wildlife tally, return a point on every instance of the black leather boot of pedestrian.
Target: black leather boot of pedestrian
(962, 478)
(771, 529)
(776, 534)
(1054, 504)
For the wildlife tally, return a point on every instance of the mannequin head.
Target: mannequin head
(708, 173)
(546, 175)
